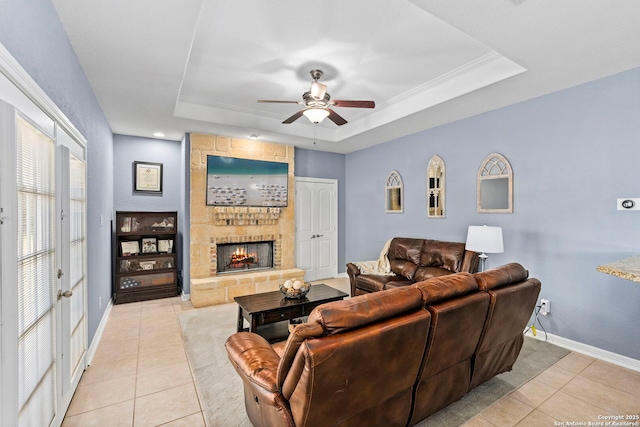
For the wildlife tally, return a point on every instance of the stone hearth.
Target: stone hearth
(222, 289)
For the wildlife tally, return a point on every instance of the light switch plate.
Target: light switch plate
(628, 204)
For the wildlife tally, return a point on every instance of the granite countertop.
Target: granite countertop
(628, 268)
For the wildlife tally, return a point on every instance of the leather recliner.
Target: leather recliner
(353, 363)
(413, 260)
(389, 358)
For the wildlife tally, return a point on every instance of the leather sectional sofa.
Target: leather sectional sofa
(413, 260)
(388, 358)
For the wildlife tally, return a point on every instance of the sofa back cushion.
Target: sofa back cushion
(444, 288)
(404, 256)
(339, 316)
(446, 255)
(501, 276)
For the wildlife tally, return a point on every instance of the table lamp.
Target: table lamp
(484, 239)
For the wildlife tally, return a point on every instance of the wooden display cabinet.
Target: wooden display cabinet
(145, 256)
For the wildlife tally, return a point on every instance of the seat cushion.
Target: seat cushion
(397, 284)
(372, 282)
(424, 273)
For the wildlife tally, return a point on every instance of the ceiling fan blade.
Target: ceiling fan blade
(354, 104)
(278, 102)
(293, 118)
(336, 118)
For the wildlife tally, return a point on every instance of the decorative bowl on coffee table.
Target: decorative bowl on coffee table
(294, 289)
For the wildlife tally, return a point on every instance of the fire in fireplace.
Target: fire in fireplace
(233, 257)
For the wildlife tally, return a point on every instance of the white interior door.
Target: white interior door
(316, 227)
(41, 231)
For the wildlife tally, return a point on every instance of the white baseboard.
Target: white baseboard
(588, 350)
(91, 351)
(342, 275)
(185, 297)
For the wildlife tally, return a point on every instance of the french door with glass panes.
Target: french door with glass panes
(43, 279)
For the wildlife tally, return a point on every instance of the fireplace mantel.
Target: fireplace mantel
(246, 215)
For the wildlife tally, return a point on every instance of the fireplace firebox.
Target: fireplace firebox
(235, 257)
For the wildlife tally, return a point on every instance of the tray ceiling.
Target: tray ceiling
(201, 65)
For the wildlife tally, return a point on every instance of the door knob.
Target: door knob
(66, 294)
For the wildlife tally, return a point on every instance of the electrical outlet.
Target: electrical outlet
(545, 306)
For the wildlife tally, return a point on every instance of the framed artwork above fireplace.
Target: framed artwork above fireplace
(244, 182)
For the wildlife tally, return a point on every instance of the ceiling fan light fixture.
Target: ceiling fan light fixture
(318, 90)
(316, 115)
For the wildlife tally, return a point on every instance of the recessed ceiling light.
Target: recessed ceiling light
(158, 134)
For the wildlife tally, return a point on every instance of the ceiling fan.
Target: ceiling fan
(317, 102)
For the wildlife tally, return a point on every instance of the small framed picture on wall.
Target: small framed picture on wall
(147, 177)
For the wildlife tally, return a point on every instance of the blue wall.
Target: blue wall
(320, 164)
(573, 153)
(32, 32)
(128, 149)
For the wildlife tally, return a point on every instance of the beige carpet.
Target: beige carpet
(220, 389)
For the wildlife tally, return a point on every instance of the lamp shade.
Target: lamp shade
(481, 238)
(316, 115)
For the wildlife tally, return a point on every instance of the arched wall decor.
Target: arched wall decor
(435, 187)
(394, 193)
(495, 185)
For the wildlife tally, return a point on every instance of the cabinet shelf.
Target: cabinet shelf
(145, 260)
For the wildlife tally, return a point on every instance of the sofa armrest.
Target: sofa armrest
(470, 262)
(353, 271)
(254, 359)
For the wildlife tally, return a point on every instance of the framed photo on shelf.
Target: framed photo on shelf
(149, 245)
(147, 265)
(147, 177)
(126, 225)
(130, 247)
(165, 246)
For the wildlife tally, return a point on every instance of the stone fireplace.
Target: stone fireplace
(245, 226)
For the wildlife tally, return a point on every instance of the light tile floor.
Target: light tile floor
(140, 377)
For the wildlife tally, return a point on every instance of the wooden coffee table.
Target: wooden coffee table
(271, 307)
